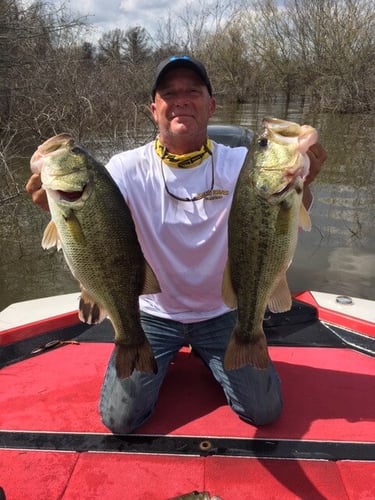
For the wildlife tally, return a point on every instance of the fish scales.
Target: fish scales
(98, 242)
(264, 231)
(262, 237)
(94, 227)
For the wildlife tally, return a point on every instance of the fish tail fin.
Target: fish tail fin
(241, 353)
(135, 357)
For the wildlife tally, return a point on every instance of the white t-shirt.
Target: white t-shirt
(184, 242)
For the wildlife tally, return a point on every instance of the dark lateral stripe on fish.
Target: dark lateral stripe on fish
(262, 253)
(194, 446)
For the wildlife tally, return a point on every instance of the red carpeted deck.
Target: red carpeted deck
(89, 476)
(329, 398)
(326, 392)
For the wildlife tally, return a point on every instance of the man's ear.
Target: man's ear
(152, 108)
(212, 106)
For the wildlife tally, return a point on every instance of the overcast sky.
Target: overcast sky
(107, 15)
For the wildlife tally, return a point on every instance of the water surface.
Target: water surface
(338, 256)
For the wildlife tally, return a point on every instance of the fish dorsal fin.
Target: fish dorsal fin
(89, 310)
(51, 237)
(151, 284)
(304, 218)
(228, 294)
(281, 298)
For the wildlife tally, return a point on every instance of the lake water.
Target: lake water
(337, 256)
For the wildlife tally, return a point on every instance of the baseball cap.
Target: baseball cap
(180, 62)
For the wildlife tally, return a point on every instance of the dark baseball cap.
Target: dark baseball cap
(180, 62)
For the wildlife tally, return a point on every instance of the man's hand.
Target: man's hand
(318, 156)
(38, 194)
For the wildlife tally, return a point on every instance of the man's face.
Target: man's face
(182, 104)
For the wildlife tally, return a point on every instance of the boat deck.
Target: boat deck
(54, 446)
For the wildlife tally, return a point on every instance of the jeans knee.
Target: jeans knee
(262, 416)
(122, 423)
(116, 426)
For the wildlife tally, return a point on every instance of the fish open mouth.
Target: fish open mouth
(276, 197)
(76, 197)
(70, 195)
(287, 188)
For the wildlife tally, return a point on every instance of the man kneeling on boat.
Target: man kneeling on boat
(179, 189)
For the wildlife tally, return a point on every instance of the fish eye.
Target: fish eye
(76, 150)
(263, 142)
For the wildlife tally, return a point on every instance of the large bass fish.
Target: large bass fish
(263, 226)
(93, 225)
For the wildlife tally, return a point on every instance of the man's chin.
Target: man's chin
(181, 125)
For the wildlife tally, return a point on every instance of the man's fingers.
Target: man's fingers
(319, 152)
(33, 184)
(318, 156)
(37, 193)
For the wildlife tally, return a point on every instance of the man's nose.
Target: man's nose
(182, 98)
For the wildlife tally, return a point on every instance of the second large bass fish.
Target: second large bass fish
(263, 226)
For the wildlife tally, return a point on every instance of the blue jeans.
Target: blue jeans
(253, 394)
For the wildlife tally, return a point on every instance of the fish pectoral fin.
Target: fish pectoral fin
(89, 310)
(75, 228)
(281, 298)
(51, 237)
(228, 294)
(304, 218)
(151, 284)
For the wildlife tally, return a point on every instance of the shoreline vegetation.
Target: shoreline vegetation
(52, 79)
